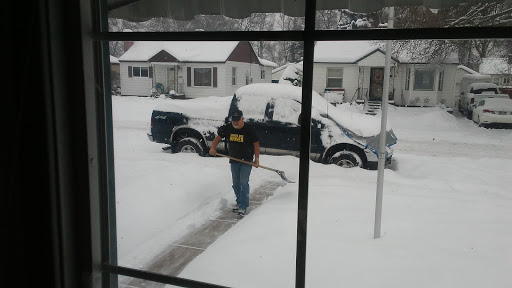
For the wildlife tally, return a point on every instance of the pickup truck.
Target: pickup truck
(474, 93)
(340, 137)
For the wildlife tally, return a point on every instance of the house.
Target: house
(500, 70)
(114, 71)
(354, 70)
(191, 69)
(277, 72)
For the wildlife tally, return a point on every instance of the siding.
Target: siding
(253, 70)
(350, 78)
(134, 86)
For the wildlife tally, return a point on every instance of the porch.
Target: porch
(168, 79)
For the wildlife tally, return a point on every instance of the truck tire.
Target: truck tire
(469, 114)
(190, 145)
(346, 159)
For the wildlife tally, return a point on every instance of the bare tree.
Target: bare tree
(470, 52)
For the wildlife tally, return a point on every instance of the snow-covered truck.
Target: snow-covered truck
(475, 92)
(339, 135)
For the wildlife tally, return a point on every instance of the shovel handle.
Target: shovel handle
(246, 162)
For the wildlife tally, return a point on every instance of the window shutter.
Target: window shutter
(150, 71)
(214, 76)
(189, 77)
(130, 71)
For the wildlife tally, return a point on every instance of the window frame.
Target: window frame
(309, 35)
(194, 77)
(433, 77)
(327, 77)
(233, 76)
(140, 69)
(407, 79)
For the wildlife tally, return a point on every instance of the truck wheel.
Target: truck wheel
(190, 145)
(346, 159)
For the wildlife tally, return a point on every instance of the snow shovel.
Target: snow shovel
(281, 173)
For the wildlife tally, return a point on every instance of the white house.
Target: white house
(500, 70)
(191, 69)
(355, 70)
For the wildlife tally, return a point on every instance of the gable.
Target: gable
(163, 56)
(243, 52)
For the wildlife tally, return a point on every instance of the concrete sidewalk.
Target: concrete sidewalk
(179, 254)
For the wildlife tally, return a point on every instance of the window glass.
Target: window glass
(407, 78)
(202, 77)
(157, 176)
(334, 77)
(424, 80)
(462, 15)
(136, 71)
(441, 79)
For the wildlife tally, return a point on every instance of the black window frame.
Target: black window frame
(103, 191)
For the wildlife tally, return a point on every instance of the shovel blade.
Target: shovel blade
(281, 173)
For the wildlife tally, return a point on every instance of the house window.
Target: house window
(334, 77)
(407, 78)
(424, 79)
(233, 76)
(203, 77)
(140, 72)
(441, 79)
(507, 80)
(262, 74)
(496, 80)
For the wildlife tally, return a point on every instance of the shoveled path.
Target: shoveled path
(179, 254)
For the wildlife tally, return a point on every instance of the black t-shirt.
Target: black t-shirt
(240, 141)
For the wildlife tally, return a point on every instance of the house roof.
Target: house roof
(343, 51)
(114, 60)
(280, 68)
(495, 66)
(266, 62)
(184, 51)
(467, 69)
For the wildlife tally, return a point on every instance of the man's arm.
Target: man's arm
(257, 153)
(215, 142)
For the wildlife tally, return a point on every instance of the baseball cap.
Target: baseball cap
(237, 114)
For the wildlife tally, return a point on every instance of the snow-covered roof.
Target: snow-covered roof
(343, 51)
(495, 66)
(184, 51)
(467, 69)
(266, 62)
(280, 68)
(449, 59)
(113, 59)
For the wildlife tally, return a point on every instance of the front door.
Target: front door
(376, 84)
(171, 79)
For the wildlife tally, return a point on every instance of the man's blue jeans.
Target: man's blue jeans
(240, 173)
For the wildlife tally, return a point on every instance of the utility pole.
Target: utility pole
(382, 140)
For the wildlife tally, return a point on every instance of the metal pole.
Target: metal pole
(382, 142)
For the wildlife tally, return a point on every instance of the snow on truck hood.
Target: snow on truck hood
(346, 115)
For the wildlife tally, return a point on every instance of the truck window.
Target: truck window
(253, 107)
(286, 110)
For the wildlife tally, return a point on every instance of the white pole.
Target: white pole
(382, 143)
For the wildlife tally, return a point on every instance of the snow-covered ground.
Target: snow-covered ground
(446, 222)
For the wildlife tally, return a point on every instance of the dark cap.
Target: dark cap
(237, 114)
